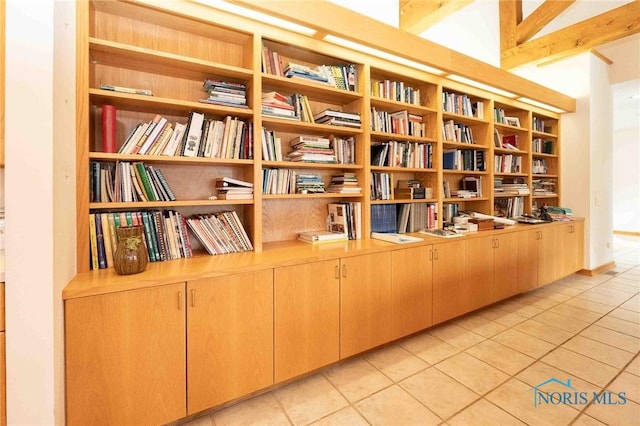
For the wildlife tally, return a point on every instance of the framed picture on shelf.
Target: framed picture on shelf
(512, 121)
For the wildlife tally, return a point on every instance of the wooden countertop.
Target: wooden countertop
(284, 253)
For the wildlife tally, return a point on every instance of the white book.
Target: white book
(395, 238)
(193, 137)
(172, 146)
(153, 136)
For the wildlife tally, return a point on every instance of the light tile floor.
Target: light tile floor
(481, 369)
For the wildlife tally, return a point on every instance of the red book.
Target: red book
(109, 128)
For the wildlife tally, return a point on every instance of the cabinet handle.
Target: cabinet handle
(193, 298)
(435, 254)
(179, 300)
(337, 271)
(430, 254)
(344, 271)
(497, 243)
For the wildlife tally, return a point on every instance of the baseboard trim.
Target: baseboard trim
(599, 270)
(630, 233)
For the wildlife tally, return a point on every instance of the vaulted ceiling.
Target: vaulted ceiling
(518, 42)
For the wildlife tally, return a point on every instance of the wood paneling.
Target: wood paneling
(449, 280)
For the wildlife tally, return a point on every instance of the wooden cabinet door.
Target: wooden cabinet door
(448, 280)
(411, 290)
(125, 357)
(549, 255)
(229, 337)
(307, 317)
(527, 270)
(365, 302)
(505, 271)
(478, 283)
(571, 242)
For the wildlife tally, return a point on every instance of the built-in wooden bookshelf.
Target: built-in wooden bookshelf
(186, 49)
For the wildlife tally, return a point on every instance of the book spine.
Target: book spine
(151, 243)
(93, 242)
(102, 258)
(106, 232)
(109, 128)
(165, 184)
(144, 177)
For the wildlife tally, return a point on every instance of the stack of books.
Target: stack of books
(311, 149)
(225, 93)
(344, 183)
(233, 189)
(304, 71)
(322, 236)
(338, 118)
(277, 105)
(309, 183)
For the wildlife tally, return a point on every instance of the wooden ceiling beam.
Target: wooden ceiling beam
(575, 39)
(510, 16)
(416, 16)
(540, 17)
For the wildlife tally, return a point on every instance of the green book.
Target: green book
(146, 183)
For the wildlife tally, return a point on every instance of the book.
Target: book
(192, 140)
(130, 90)
(227, 181)
(395, 238)
(108, 128)
(322, 236)
(93, 242)
(234, 196)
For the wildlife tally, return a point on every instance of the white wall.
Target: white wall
(40, 203)
(601, 174)
(626, 180)
(29, 212)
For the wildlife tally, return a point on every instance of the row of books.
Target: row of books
(199, 137)
(396, 91)
(402, 154)
(461, 104)
(339, 76)
(507, 163)
(346, 217)
(542, 146)
(539, 166)
(225, 93)
(381, 186)
(125, 181)
(415, 217)
(398, 122)
(165, 235)
(464, 159)
(539, 125)
(288, 181)
(220, 233)
(508, 207)
(457, 132)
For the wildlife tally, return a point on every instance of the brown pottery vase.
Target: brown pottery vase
(131, 254)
